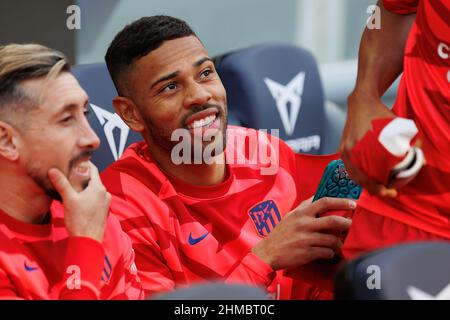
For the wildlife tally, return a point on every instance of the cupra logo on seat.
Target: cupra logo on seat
(418, 294)
(288, 95)
(109, 122)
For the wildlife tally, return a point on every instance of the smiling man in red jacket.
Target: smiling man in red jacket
(209, 207)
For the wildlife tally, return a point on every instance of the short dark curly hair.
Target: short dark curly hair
(140, 38)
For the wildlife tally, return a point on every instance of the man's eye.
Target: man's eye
(169, 87)
(206, 73)
(66, 119)
(87, 113)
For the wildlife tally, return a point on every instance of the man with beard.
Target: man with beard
(203, 212)
(49, 249)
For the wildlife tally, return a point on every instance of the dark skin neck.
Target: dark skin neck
(195, 174)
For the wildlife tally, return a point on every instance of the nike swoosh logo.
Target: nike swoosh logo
(193, 241)
(29, 268)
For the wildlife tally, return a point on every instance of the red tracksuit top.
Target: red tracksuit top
(424, 96)
(42, 261)
(184, 234)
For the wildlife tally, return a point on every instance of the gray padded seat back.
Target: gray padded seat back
(413, 271)
(277, 86)
(215, 291)
(114, 134)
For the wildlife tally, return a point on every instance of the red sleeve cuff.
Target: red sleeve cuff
(259, 267)
(85, 255)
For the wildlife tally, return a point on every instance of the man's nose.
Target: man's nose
(88, 138)
(197, 94)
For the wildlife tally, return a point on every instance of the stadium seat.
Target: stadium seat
(413, 271)
(277, 86)
(114, 134)
(215, 291)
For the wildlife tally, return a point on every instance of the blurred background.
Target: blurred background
(330, 29)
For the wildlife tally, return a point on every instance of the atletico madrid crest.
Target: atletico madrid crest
(265, 216)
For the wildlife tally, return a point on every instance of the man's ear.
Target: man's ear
(8, 142)
(129, 113)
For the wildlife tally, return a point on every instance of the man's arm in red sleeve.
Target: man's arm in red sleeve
(133, 286)
(82, 270)
(251, 270)
(7, 290)
(153, 272)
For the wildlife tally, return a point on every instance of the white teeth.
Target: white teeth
(83, 167)
(202, 122)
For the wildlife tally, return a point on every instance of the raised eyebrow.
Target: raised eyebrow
(201, 61)
(165, 78)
